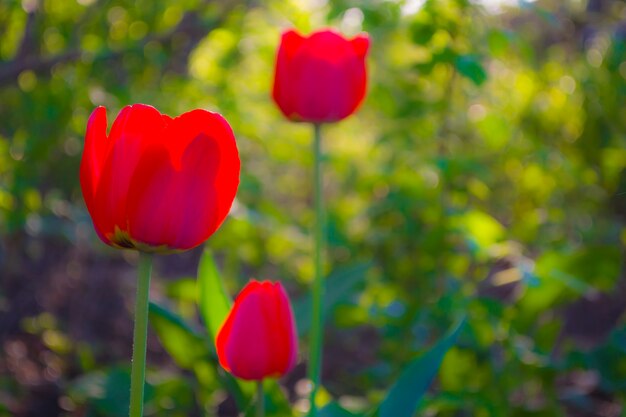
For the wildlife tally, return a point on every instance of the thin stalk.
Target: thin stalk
(260, 399)
(140, 336)
(315, 354)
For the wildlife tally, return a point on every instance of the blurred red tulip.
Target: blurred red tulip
(156, 183)
(258, 338)
(320, 78)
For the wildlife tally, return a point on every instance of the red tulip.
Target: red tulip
(156, 183)
(321, 78)
(258, 338)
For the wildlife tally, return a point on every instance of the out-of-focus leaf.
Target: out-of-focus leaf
(422, 29)
(561, 276)
(404, 396)
(481, 231)
(213, 300)
(425, 68)
(478, 402)
(181, 341)
(460, 371)
(498, 42)
(495, 130)
(108, 392)
(276, 402)
(333, 409)
(447, 55)
(339, 286)
(183, 289)
(600, 264)
(177, 392)
(470, 67)
(618, 338)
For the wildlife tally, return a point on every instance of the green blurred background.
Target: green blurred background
(483, 176)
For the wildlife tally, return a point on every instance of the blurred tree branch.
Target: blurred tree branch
(29, 44)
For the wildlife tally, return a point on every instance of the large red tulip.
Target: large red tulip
(321, 78)
(258, 338)
(156, 183)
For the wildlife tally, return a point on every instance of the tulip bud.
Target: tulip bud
(258, 338)
(321, 78)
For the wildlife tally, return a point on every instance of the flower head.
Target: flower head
(156, 183)
(258, 338)
(320, 78)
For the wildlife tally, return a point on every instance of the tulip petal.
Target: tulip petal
(248, 349)
(133, 130)
(93, 158)
(361, 44)
(186, 184)
(225, 331)
(283, 96)
(287, 330)
(275, 324)
(291, 40)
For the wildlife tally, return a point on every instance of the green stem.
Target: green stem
(315, 359)
(260, 399)
(138, 370)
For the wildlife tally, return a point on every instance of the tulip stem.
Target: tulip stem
(315, 353)
(140, 336)
(260, 399)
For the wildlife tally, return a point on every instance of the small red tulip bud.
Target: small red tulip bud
(259, 339)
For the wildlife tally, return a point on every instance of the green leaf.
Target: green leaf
(470, 67)
(213, 300)
(339, 286)
(184, 344)
(404, 396)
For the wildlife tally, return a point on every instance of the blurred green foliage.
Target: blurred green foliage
(484, 176)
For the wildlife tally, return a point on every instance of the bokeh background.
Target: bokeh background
(484, 176)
